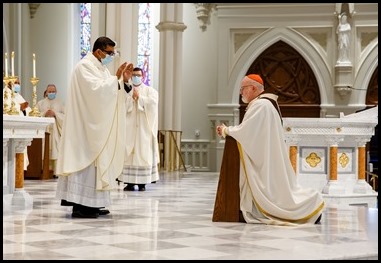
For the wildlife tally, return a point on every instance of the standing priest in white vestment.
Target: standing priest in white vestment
(53, 107)
(269, 192)
(142, 148)
(91, 152)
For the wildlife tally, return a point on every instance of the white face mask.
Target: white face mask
(136, 80)
(51, 96)
(17, 88)
(105, 61)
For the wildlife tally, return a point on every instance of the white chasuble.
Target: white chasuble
(94, 124)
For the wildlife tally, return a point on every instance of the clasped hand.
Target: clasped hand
(24, 105)
(126, 70)
(220, 129)
(135, 94)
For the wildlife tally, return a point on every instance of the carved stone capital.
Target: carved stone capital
(292, 139)
(362, 140)
(203, 11)
(333, 140)
(172, 26)
(20, 144)
(33, 8)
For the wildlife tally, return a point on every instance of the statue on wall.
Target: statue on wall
(343, 32)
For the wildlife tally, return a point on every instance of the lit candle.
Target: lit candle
(6, 64)
(34, 65)
(13, 63)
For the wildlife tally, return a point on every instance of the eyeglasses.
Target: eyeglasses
(137, 75)
(243, 87)
(111, 53)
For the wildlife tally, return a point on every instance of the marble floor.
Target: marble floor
(172, 220)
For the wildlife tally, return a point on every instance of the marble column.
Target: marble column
(293, 156)
(293, 143)
(19, 171)
(361, 162)
(333, 163)
(333, 186)
(361, 186)
(171, 28)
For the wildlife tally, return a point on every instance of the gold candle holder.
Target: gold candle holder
(34, 112)
(13, 110)
(6, 81)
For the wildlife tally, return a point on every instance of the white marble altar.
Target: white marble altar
(328, 154)
(18, 133)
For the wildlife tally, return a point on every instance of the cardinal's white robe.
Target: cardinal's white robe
(269, 192)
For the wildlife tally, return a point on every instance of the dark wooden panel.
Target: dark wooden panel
(34, 169)
(38, 167)
(226, 207)
(300, 111)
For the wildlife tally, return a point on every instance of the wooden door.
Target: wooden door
(287, 74)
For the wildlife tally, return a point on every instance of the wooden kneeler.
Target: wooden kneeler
(226, 206)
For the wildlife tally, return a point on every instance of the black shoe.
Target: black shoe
(81, 214)
(83, 211)
(66, 203)
(103, 212)
(129, 187)
(318, 220)
(142, 187)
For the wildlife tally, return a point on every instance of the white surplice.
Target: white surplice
(93, 135)
(142, 151)
(269, 192)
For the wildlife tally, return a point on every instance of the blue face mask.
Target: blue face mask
(136, 80)
(17, 88)
(51, 96)
(106, 60)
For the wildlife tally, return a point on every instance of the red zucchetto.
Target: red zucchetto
(256, 77)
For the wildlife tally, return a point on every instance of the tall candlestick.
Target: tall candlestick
(6, 64)
(34, 65)
(13, 63)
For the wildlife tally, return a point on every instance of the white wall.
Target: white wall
(53, 43)
(199, 73)
(50, 35)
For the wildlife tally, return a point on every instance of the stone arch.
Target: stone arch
(259, 44)
(365, 71)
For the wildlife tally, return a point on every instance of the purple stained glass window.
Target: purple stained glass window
(144, 59)
(85, 27)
